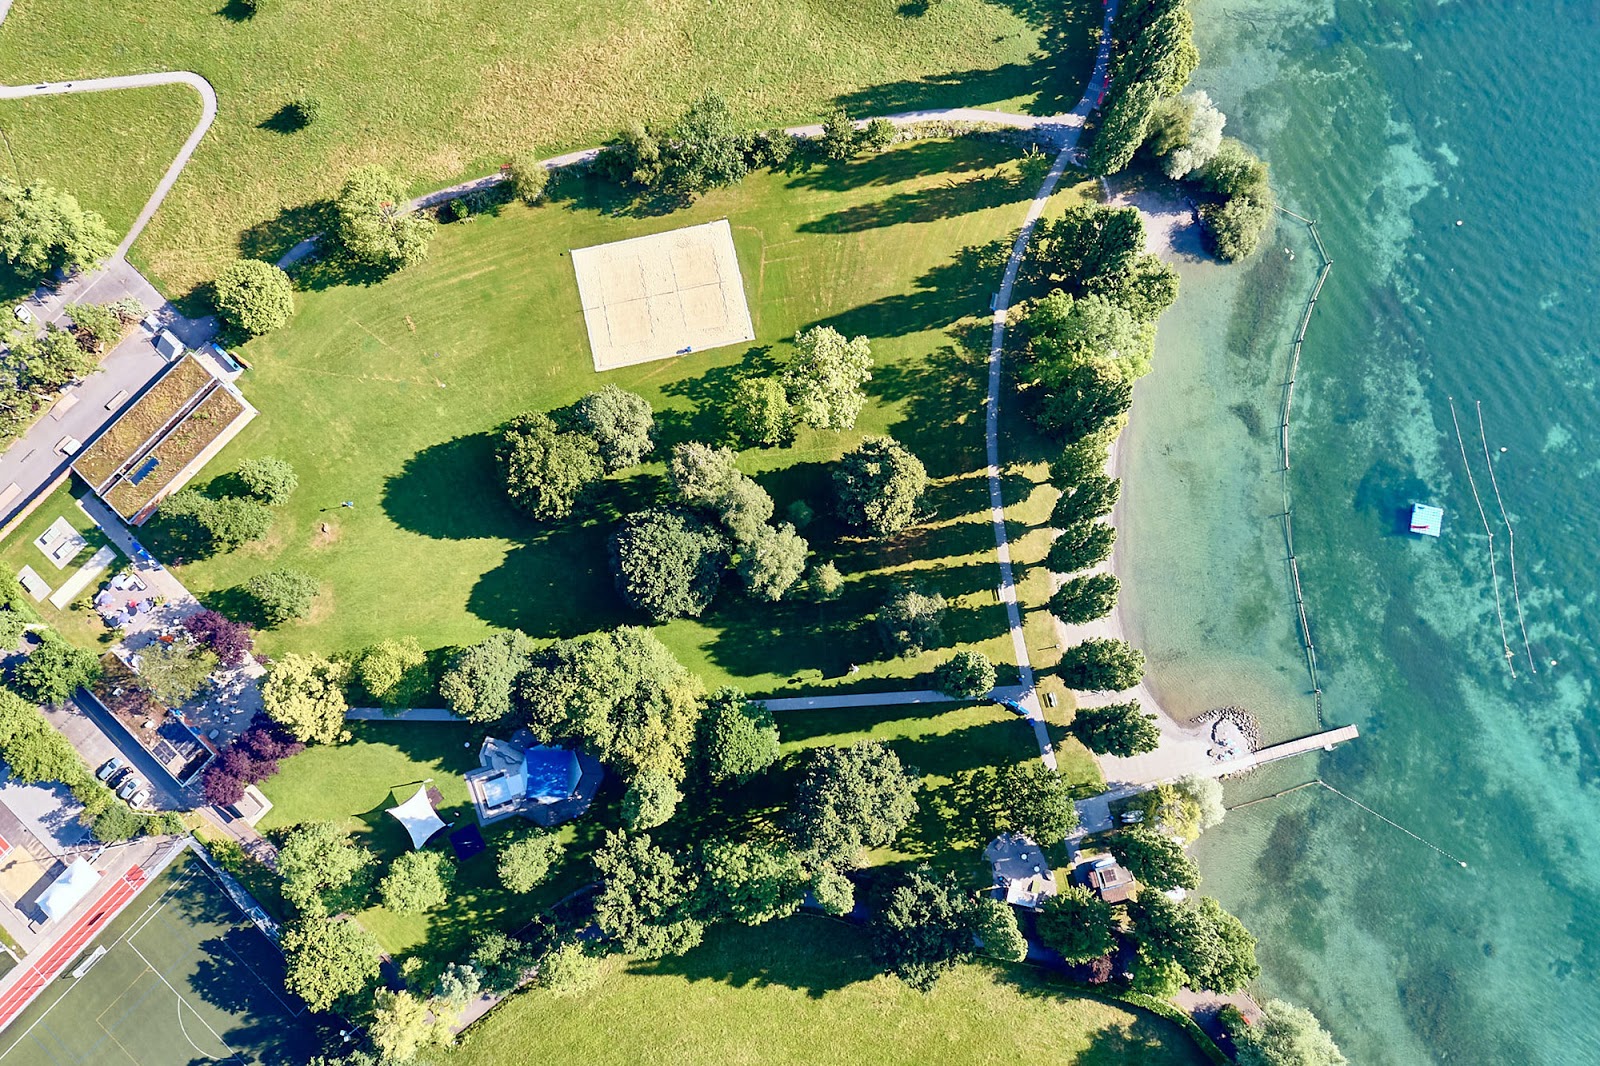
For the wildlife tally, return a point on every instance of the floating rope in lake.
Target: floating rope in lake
(1494, 575)
(1351, 799)
(1511, 539)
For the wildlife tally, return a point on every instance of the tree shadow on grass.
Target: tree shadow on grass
(945, 294)
(806, 952)
(919, 159)
(270, 238)
(953, 197)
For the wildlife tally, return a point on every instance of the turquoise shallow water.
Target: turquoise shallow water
(1388, 121)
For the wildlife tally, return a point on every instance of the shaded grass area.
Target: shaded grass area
(502, 78)
(78, 622)
(356, 783)
(107, 149)
(386, 396)
(804, 990)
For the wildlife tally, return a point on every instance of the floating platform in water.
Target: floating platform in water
(1426, 520)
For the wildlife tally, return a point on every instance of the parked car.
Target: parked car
(129, 786)
(109, 769)
(141, 799)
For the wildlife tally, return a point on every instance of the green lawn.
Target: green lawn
(108, 149)
(451, 89)
(356, 782)
(804, 990)
(385, 395)
(78, 622)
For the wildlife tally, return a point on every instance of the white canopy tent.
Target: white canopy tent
(418, 816)
(68, 889)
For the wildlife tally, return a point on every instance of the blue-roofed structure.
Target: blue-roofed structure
(547, 784)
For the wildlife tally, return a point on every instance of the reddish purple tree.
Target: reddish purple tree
(222, 789)
(231, 640)
(250, 759)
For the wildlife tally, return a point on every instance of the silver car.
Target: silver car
(129, 786)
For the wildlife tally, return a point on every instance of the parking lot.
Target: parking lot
(97, 737)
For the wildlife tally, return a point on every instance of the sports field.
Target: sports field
(185, 979)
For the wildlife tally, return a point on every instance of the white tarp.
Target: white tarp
(68, 890)
(418, 816)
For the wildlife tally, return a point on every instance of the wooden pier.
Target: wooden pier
(1325, 740)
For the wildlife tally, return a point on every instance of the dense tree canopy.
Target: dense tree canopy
(1064, 331)
(911, 620)
(395, 672)
(737, 738)
(850, 799)
(1286, 1035)
(1084, 598)
(1102, 665)
(174, 672)
(547, 472)
(253, 297)
(922, 927)
(1082, 399)
(1155, 859)
(326, 960)
(647, 897)
(1093, 496)
(773, 561)
(667, 563)
(1028, 798)
(620, 694)
(269, 479)
(995, 923)
(878, 484)
(376, 224)
(524, 863)
(478, 683)
(305, 694)
(1078, 924)
(282, 595)
(826, 377)
(1210, 947)
(417, 881)
(1080, 546)
(316, 859)
(704, 150)
(55, 669)
(760, 412)
(402, 1025)
(1185, 133)
(651, 799)
(1116, 729)
(749, 882)
(620, 423)
(968, 674)
(42, 230)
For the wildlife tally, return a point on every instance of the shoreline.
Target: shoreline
(1184, 746)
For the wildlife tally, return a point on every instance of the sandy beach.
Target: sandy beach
(1170, 234)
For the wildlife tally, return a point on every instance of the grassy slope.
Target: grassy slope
(108, 149)
(384, 395)
(450, 89)
(804, 990)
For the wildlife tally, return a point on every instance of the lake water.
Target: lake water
(1388, 122)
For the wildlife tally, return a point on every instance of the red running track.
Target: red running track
(49, 965)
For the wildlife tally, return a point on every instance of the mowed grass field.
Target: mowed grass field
(803, 990)
(386, 396)
(440, 91)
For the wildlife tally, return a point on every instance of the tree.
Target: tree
(1173, 933)
(1155, 859)
(229, 522)
(526, 862)
(1088, 246)
(833, 891)
(646, 897)
(32, 747)
(1185, 133)
(736, 738)
(1080, 546)
(839, 138)
(825, 582)
(878, 134)
(326, 960)
(457, 986)
(967, 674)
(1144, 290)
(418, 881)
(749, 883)
(568, 968)
(1102, 665)
(305, 694)
(1286, 1035)
(1027, 798)
(1064, 332)
(1119, 729)
(502, 962)
(878, 484)
(1122, 129)
(1206, 792)
(54, 670)
(1234, 229)
(1083, 399)
(231, 641)
(667, 563)
(1234, 965)
(1094, 496)
(771, 148)
(1171, 811)
(922, 928)
(995, 924)
(43, 230)
(403, 1025)
(826, 376)
(910, 620)
(99, 325)
(269, 479)
(529, 178)
(376, 224)
(547, 472)
(620, 423)
(395, 672)
(174, 672)
(759, 412)
(303, 109)
(1078, 924)
(477, 684)
(253, 297)
(705, 150)
(651, 798)
(41, 364)
(699, 474)
(773, 561)
(1084, 598)
(620, 693)
(316, 859)
(633, 157)
(282, 595)
(850, 799)
(1236, 171)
